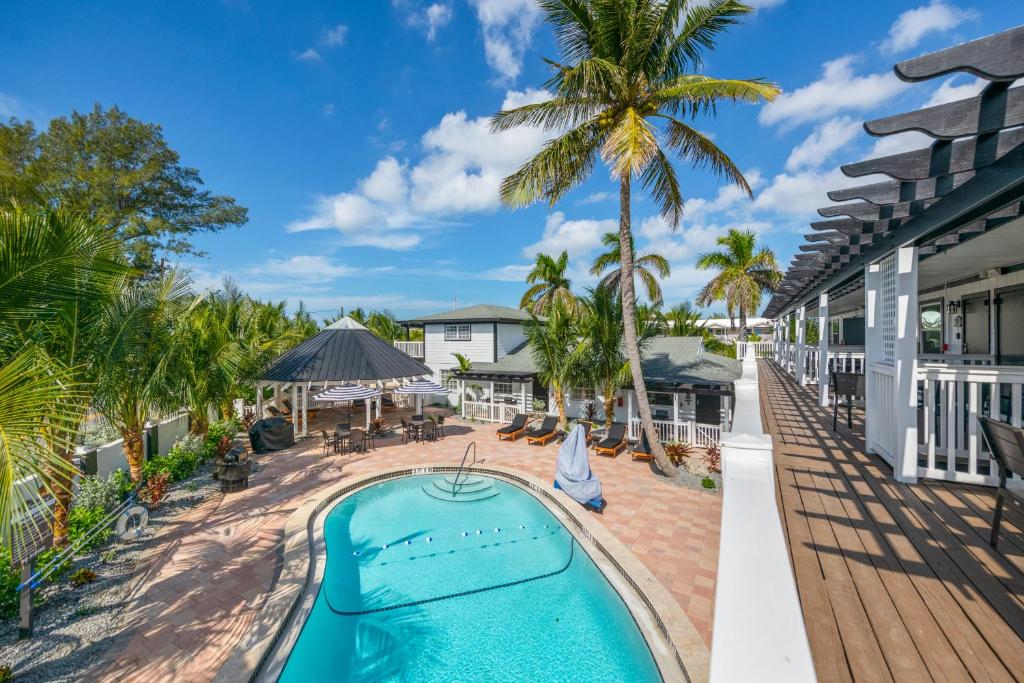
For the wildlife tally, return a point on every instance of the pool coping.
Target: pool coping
(298, 548)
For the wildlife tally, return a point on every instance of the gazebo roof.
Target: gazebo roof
(344, 351)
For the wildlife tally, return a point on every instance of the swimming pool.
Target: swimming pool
(488, 586)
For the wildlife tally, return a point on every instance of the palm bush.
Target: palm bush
(745, 272)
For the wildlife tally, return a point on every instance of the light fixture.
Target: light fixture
(953, 307)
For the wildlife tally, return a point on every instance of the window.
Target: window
(975, 320)
(931, 327)
(582, 394)
(448, 380)
(833, 333)
(460, 332)
(502, 388)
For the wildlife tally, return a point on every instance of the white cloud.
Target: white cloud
(913, 25)
(596, 198)
(798, 195)
(823, 141)
(507, 27)
(837, 90)
(308, 55)
(950, 92)
(9, 106)
(947, 92)
(437, 16)
(460, 172)
(509, 273)
(428, 19)
(577, 237)
(336, 36)
(312, 268)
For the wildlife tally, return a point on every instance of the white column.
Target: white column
(629, 413)
(493, 417)
(675, 416)
(368, 409)
(462, 396)
(522, 392)
(305, 410)
(259, 401)
(907, 323)
(823, 378)
(872, 350)
(380, 405)
(295, 405)
(801, 345)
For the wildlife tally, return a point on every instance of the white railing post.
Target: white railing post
(907, 322)
(675, 417)
(872, 351)
(823, 379)
(462, 396)
(801, 345)
(757, 607)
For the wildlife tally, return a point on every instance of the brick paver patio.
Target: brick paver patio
(197, 595)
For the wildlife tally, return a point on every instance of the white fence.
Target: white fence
(698, 434)
(881, 388)
(412, 348)
(846, 359)
(490, 412)
(953, 398)
(111, 456)
(761, 349)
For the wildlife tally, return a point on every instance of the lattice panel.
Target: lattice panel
(888, 308)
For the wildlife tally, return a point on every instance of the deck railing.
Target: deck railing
(411, 348)
(761, 349)
(695, 433)
(490, 412)
(882, 396)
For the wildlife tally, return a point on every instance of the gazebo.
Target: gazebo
(344, 352)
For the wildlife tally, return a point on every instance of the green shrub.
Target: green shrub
(9, 581)
(218, 430)
(707, 482)
(81, 520)
(82, 577)
(96, 492)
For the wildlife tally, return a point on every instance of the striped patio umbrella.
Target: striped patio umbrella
(348, 392)
(421, 387)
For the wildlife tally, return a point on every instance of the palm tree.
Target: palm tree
(684, 321)
(643, 265)
(555, 345)
(628, 75)
(384, 325)
(135, 373)
(208, 358)
(57, 270)
(602, 330)
(550, 284)
(745, 272)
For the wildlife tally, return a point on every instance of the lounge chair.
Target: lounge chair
(1006, 443)
(514, 430)
(547, 431)
(642, 451)
(614, 442)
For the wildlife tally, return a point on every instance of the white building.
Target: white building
(724, 328)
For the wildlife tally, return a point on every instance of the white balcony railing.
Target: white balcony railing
(882, 397)
(490, 412)
(411, 348)
(761, 349)
(697, 434)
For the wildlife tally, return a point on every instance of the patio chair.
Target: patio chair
(642, 451)
(330, 442)
(428, 431)
(515, 429)
(439, 421)
(845, 385)
(409, 432)
(547, 431)
(1006, 443)
(614, 442)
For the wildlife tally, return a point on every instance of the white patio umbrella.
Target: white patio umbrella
(349, 392)
(420, 387)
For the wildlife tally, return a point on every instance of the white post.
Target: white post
(305, 410)
(801, 345)
(823, 379)
(907, 322)
(629, 414)
(259, 401)
(675, 416)
(295, 404)
(522, 392)
(462, 396)
(492, 403)
(368, 408)
(872, 350)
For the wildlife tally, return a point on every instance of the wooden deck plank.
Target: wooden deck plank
(863, 650)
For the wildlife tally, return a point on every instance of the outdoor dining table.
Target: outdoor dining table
(344, 437)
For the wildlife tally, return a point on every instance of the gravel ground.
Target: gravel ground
(75, 626)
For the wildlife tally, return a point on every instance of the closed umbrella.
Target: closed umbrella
(420, 387)
(348, 392)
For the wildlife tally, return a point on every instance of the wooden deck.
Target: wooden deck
(896, 582)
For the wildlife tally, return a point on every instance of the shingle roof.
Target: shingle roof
(667, 361)
(343, 353)
(478, 313)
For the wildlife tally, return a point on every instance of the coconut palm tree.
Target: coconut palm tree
(57, 271)
(556, 348)
(684, 321)
(745, 272)
(384, 325)
(644, 266)
(628, 78)
(549, 284)
(602, 331)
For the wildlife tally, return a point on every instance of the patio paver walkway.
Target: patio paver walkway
(197, 596)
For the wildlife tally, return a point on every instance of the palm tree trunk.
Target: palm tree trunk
(743, 318)
(609, 406)
(200, 423)
(133, 451)
(629, 321)
(560, 403)
(62, 486)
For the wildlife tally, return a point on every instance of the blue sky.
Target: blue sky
(356, 132)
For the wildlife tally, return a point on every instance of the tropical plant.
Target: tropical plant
(629, 72)
(385, 325)
(684, 321)
(465, 365)
(555, 346)
(135, 375)
(603, 361)
(745, 272)
(57, 270)
(648, 267)
(677, 452)
(549, 284)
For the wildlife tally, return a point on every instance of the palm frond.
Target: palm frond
(701, 27)
(659, 178)
(562, 164)
(702, 152)
(630, 145)
(699, 94)
(553, 114)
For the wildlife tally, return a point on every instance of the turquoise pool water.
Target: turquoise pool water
(533, 606)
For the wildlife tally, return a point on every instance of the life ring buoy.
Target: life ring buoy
(131, 522)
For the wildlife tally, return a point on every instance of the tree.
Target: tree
(602, 331)
(385, 325)
(745, 272)
(629, 72)
(57, 271)
(549, 284)
(684, 321)
(118, 171)
(643, 265)
(556, 346)
(135, 376)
